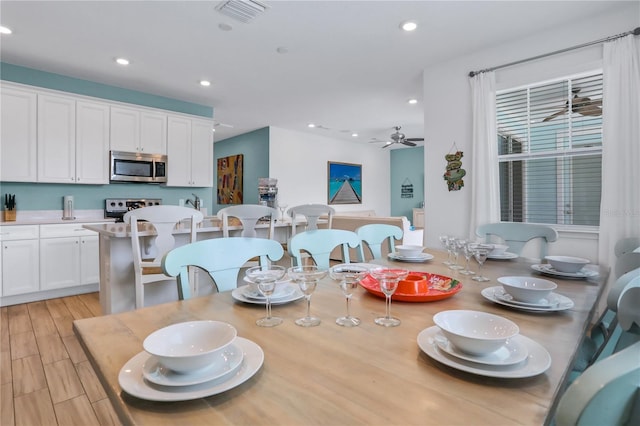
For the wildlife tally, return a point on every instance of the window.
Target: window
(550, 151)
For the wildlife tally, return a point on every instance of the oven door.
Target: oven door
(135, 167)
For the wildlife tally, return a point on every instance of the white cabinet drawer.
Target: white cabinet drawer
(18, 232)
(65, 230)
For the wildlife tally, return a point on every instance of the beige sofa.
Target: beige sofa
(352, 221)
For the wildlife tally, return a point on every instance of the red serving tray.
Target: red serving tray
(419, 287)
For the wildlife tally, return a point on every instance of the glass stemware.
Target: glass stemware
(282, 208)
(454, 248)
(388, 280)
(480, 253)
(444, 240)
(307, 278)
(349, 276)
(467, 252)
(265, 278)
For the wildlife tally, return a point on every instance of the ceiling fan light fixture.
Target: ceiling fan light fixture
(408, 26)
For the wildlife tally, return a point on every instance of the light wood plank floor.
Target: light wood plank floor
(45, 376)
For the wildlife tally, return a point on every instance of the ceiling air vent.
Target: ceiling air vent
(242, 10)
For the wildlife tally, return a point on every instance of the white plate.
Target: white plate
(503, 256)
(132, 382)
(563, 304)
(282, 291)
(228, 360)
(513, 352)
(422, 258)
(238, 294)
(549, 302)
(537, 362)
(545, 268)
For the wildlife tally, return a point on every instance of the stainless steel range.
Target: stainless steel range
(117, 207)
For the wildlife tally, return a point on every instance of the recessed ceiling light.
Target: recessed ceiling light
(205, 83)
(5, 30)
(122, 61)
(311, 125)
(409, 26)
(413, 101)
(355, 135)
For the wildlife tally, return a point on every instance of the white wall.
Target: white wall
(447, 115)
(300, 160)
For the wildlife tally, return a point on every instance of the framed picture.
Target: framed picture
(230, 170)
(344, 183)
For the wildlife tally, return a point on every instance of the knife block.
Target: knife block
(9, 215)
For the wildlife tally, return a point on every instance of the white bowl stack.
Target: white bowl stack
(406, 250)
(475, 332)
(567, 264)
(190, 346)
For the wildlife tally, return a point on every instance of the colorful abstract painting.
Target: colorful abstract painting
(230, 179)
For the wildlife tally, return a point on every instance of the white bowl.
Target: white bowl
(475, 332)
(498, 249)
(189, 346)
(409, 251)
(567, 264)
(527, 289)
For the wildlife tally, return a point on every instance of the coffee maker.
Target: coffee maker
(268, 192)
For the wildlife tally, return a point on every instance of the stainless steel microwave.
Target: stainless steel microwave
(138, 167)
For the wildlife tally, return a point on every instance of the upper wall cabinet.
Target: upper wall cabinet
(92, 143)
(189, 152)
(18, 142)
(138, 130)
(56, 138)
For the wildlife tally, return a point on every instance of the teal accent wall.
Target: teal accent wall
(46, 196)
(47, 80)
(254, 146)
(407, 167)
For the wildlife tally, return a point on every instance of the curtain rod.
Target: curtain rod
(634, 32)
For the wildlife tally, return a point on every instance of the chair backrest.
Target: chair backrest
(516, 235)
(374, 234)
(626, 262)
(249, 215)
(607, 392)
(626, 245)
(320, 242)
(222, 258)
(311, 213)
(163, 219)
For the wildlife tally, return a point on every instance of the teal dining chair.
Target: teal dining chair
(320, 243)
(607, 392)
(517, 235)
(374, 235)
(221, 258)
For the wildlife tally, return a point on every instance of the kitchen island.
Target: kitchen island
(117, 288)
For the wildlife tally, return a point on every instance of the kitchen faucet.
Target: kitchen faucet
(196, 204)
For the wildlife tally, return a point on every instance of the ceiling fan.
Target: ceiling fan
(398, 137)
(580, 105)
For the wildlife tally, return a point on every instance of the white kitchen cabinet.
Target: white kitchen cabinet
(20, 259)
(56, 138)
(68, 256)
(138, 130)
(92, 143)
(190, 152)
(18, 130)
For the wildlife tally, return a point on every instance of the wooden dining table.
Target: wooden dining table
(332, 375)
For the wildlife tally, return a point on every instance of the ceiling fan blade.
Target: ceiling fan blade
(387, 145)
(414, 139)
(407, 142)
(556, 114)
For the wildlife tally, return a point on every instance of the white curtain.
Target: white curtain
(620, 202)
(484, 179)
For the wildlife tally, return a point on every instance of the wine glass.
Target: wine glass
(282, 208)
(480, 253)
(388, 280)
(349, 277)
(265, 277)
(444, 240)
(467, 252)
(307, 278)
(454, 247)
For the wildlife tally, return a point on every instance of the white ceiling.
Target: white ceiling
(348, 66)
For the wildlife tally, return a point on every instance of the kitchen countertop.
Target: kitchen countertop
(50, 217)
